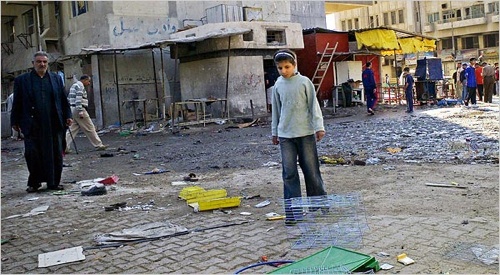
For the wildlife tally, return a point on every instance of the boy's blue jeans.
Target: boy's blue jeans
(303, 148)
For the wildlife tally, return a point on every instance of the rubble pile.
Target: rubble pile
(462, 136)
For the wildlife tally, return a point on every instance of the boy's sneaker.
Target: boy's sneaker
(68, 151)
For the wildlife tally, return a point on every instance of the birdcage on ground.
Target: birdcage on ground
(322, 221)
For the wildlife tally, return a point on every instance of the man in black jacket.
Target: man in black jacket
(42, 113)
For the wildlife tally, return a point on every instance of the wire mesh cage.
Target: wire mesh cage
(321, 221)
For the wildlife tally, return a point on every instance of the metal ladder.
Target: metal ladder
(323, 64)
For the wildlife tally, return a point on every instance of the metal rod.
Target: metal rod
(73, 140)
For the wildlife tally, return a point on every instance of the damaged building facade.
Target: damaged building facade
(143, 56)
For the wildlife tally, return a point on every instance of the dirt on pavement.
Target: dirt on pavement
(244, 162)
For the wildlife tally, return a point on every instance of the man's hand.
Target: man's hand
(80, 114)
(275, 140)
(69, 121)
(320, 135)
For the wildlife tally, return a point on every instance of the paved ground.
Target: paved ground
(440, 228)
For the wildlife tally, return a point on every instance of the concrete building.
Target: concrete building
(115, 42)
(464, 29)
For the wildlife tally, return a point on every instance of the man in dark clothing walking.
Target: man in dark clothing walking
(369, 85)
(42, 113)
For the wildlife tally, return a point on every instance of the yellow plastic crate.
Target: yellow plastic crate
(216, 204)
(187, 192)
(207, 195)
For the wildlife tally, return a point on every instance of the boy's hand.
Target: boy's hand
(275, 140)
(320, 135)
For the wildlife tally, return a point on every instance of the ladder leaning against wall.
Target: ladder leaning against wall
(323, 65)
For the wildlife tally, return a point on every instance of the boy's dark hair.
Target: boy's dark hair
(84, 76)
(406, 69)
(368, 64)
(285, 55)
(472, 59)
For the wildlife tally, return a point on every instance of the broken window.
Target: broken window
(276, 37)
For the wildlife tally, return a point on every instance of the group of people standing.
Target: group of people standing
(42, 112)
(476, 80)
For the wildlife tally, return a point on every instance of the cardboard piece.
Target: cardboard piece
(63, 256)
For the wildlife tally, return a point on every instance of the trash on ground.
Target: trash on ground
(115, 206)
(141, 232)
(248, 124)
(174, 183)
(156, 171)
(404, 259)
(106, 155)
(445, 185)
(60, 193)
(359, 162)
(191, 177)
(251, 197)
(393, 150)
(372, 161)
(245, 213)
(96, 189)
(332, 160)
(201, 199)
(473, 252)
(33, 199)
(386, 266)
(383, 254)
(272, 216)
(35, 211)
(271, 163)
(109, 180)
(63, 256)
(479, 219)
(263, 204)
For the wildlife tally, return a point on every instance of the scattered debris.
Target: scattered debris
(191, 177)
(393, 150)
(106, 155)
(245, 213)
(154, 171)
(263, 204)
(96, 189)
(272, 216)
(63, 256)
(248, 124)
(332, 160)
(174, 183)
(271, 163)
(109, 180)
(404, 259)
(115, 206)
(386, 266)
(359, 162)
(35, 211)
(251, 197)
(446, 185)
(201, 199)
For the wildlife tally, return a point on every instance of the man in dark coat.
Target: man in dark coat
(42, 113)
(370, 86)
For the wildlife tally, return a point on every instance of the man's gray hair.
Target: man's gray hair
(40, 53)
